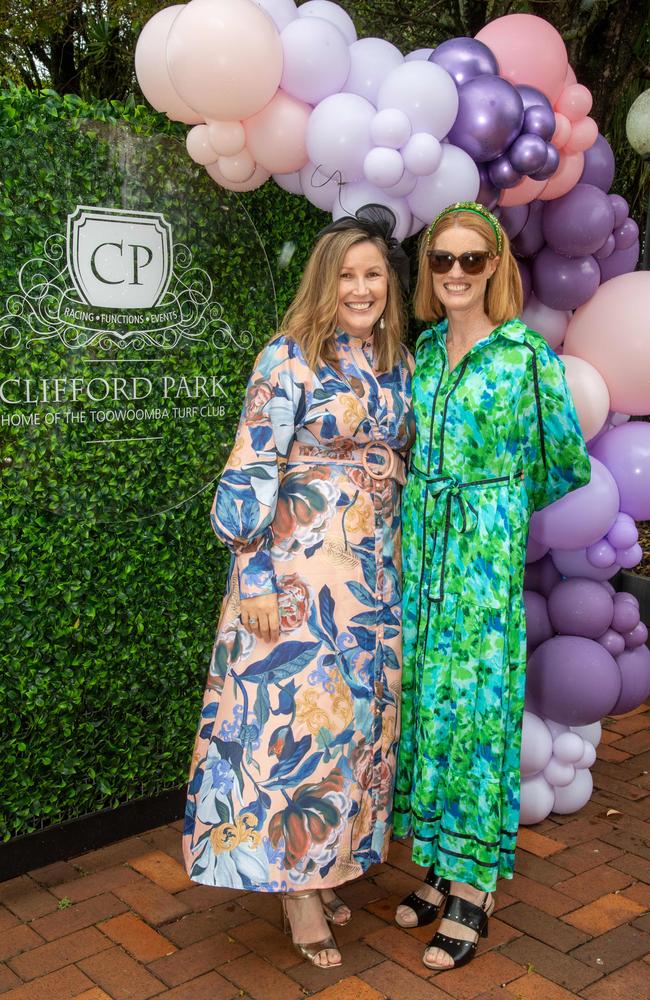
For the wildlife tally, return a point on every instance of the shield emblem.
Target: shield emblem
(119, 259)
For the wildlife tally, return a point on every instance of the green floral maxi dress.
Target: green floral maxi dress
(497, 438)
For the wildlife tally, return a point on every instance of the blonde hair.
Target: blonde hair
(503, 296)
(311, 319)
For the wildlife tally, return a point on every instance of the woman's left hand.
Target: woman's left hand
(260, 616)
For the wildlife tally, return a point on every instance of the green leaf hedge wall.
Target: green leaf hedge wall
(107, 616)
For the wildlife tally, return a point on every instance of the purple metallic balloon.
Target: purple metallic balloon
(599, 164)
(579, 222)
(541, 576)
(538, 625)
(621, 209)
(625, 450)
(620, 262)
(540, 121)
(490, 116)
(626, 235)
(488, 194)
(574, 680)
(531, 97)
(528, 153)
(551, 165)
(565, 282)
(502, 173)
(613, 641)
(580, 607)
(582, 516)
(465, 58)
(634, 666)
(607, 249)
(513, 219)
(531, 238)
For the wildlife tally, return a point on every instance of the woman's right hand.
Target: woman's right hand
(261, 617)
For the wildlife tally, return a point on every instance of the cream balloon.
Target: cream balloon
(590, 395)
(225, 58)
(199, 146)
(151, 68)
(259, 176)
(239, 168)
(275, 136)
(228, 138)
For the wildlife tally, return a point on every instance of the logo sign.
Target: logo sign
(119, 259)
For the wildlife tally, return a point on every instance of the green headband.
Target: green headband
(476, 209)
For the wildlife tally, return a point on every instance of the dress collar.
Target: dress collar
(512, 329)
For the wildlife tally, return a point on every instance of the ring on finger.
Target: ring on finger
(252, 621)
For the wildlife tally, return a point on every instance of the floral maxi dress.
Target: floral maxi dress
(292, 777)
(497, 438)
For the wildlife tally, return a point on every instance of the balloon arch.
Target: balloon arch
(275, 90)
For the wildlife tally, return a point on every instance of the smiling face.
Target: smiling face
(457, 291)
(363, 289)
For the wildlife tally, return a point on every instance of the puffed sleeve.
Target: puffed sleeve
(555, 455)
(245, 501)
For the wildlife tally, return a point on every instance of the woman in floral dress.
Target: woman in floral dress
(497, 438)
(292, 777)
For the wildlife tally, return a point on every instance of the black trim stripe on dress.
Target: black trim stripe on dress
(538, 402)
(463, 366)
(424, 513)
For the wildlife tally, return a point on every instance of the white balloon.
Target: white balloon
(537, 799)
(330, 12)
(338, 134)
(425, 92)
(390, 127)
(383, 166)
(353, 196)
(371, 60)
(551, 323)
(556, 728)
(588, 758)
(576, 795)
(321, 189)
(199, 146)
(456, 179)
(422, 154)
(536, 745)
(280, 11)
(592, 733)
(289, 182)
(559, 774)
(568, 747)
(316, 59)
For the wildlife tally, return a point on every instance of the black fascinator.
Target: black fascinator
(377, 220)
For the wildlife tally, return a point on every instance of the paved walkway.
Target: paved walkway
(125, 923)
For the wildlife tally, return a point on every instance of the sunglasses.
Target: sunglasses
(471, 262)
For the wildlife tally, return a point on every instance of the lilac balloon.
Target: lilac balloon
(316, 59)
(540, 120)
(574, 680)
(626, 616)
(541, 576)
(289, 182)
(530, 239)
(579, 222)
(588, 758)
(575, 796)
(502, 173)
(621, 209)
(607, 248)
(558, 774)
(574, 562)
(625, 450)
(599, 164)
(565, 282)
(490, 116)
(580, 517)
(536, 744)
(592, 733)
(418, 55)
(526, 279)
(620, 262)
(464, 59)
(551, 165)
(634, 666)
(535, 550)
(383, 166)
(609, 588)
(538, 625)
(601, 554)
(623, 532)
(613, 641)
(626, 235)
(536, 799)
(513, 219)
(568, 747)
(527, 154)
(638, 636)
(628, 558)
(580, 607)
(488, 194)
(338, 131)
(390, 127)
(371, 60)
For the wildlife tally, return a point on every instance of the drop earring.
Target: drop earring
(382, 323)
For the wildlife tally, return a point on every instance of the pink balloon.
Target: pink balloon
(589, 392)
(611, 333)
(571, 77)
(199, 146)
(238, 168)
(583, 135)
(562, 131)
(224, 59)
(565, 177)
(276, 134)
(257, 178)
(525, 191)
(529, 51)
(551, 323)
(574, 102)
(227, 138)
(581, 517)
(151, 68)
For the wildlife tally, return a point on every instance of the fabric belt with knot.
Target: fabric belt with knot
(452, 508)
(376, 458)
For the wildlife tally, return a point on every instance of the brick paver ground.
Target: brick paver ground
(125, 923)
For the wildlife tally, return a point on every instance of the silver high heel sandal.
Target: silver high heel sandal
(311, 949)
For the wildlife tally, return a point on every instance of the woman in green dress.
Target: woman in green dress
(497, 438)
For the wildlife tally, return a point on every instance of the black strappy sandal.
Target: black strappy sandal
(425, 911)
(470, 915)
